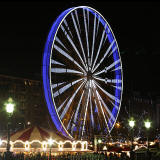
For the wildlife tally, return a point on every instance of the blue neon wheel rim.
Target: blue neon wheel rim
(46, 69)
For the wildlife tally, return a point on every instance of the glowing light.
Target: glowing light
(50, 141)
(84, 144)
(10, 106)
(11, 143)
(60, 145)
(27, 145)
(152, 143)
(44, 145)
(118, 125)
(99, 141)
(104, 148)
(147, 124)
(131, 123)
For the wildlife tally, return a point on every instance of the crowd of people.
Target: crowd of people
(78, 156)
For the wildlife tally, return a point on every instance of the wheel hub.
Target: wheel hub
(89, 75)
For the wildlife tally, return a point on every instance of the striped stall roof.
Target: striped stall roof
(35, 133)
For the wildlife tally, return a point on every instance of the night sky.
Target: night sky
(24, 27)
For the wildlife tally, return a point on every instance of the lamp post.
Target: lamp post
(132, 124)
(147, 126)
(117, 126)
(50, 142)
(9, 109)
(99, 144)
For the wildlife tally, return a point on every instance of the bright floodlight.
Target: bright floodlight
(131, 123)
(0, 142)
(9, 107)
(147, 124)
(50, 141)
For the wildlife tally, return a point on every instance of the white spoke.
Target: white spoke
(70, 121)
(114, 105)
(109, 48)
(92, 119)
(63, 70)
(96, 105)
(113, 80)
(101, 106)
(68, 57)
(98, 25)
(105, 39)
(102, 111)
(57, 85)
(64, 88)
(85, 24)
(70, 101)
(73, 45)
(100, 79)
(76, 114)
(107, 68)
(113, 50)
(117, 87)
(110, 81)
(108, 94)
(77, 20)
(112, 65)
(106, 107)
(84, 121)
(99, 46)
(59, 108)
(88, 18)
(97, 73)
(115, 69)
(94, 29)
(79, 38)
(60, 42)
(55, 62)
(65, 22)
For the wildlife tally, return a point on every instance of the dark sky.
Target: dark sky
(24, 27)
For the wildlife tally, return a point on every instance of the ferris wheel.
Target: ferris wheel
(82, 73)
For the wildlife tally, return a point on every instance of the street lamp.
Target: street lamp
(99, 144)
(117, 126)
(50, 142)
(147, 125)
(9, 109)
(99, 141)
(132, 124)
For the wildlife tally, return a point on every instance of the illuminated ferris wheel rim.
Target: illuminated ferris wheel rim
(47, 80)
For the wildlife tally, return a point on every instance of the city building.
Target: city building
(30, 107)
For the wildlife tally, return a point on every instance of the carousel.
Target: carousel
(37, 139)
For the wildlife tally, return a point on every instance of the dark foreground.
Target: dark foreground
(85, 156)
